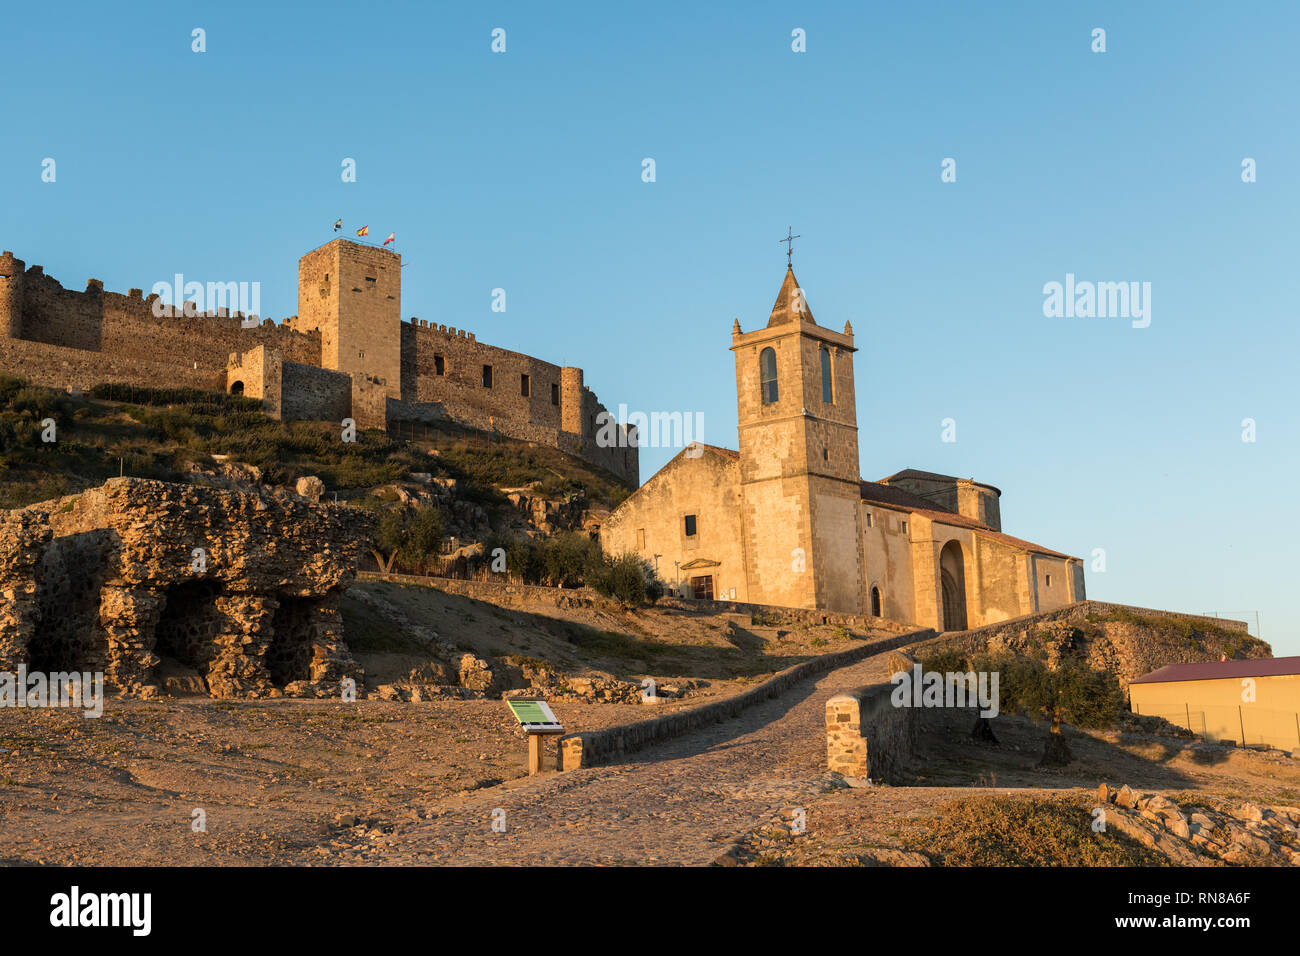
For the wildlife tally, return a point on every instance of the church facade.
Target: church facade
(787, 519)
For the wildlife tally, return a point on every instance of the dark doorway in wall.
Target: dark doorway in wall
(288, 659)
(236, 388)
(187, 624)
(952, 572)
(702, 587)
(875, 602)
(68, 634)
(487, 376)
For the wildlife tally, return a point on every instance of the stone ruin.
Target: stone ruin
(240, 587)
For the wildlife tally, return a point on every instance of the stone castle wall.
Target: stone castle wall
(349, 327)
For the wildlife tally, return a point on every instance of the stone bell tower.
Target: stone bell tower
(799, 471)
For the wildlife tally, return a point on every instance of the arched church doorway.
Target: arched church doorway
(952, 575)
(875, 602)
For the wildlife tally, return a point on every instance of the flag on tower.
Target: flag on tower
(391, 237)
(363, 231)
(338, 224)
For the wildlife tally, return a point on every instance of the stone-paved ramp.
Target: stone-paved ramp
(680, 802)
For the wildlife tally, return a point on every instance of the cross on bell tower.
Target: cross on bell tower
(789, 241)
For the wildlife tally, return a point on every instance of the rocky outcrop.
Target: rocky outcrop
(240, 587)
(1127, 641)
(1246, 834)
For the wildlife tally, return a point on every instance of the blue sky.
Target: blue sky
(522, 171)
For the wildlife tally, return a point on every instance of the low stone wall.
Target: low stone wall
(498, 592)
(792, 615)
(866, 735)
(494, 592)
(589, 748)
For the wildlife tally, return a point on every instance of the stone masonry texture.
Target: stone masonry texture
(242, 588)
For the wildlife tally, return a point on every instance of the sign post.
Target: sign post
(538, 721)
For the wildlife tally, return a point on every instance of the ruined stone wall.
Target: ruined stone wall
(23, 539)
(241, 587)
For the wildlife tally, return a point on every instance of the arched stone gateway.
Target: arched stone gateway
(875, 602)
(952, 574)
(236, 388)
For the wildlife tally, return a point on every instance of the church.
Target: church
(788, 520)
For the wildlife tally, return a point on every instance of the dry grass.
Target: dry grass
(990, 830)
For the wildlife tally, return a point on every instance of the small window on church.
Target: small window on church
(871, 522)
(525, 386)
(370, 278)
(828, 382)
(487, 376)
(439, 365)
(767, 376)
(555, 394)
(690, 526)
(826, 454)
(904, 527)
(1049, 580)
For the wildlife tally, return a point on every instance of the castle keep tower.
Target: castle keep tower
(799, 473)
(352, 293)
(11, 296)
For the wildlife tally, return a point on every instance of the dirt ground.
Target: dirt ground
(328, 783)
(303, 782)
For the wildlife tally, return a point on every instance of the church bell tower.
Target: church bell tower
(799, 470)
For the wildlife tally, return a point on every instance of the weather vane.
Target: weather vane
(789, 241)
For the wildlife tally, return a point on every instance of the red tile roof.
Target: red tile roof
(875, 492)
(1218, 670)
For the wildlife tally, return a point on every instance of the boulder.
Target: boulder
(310, 487)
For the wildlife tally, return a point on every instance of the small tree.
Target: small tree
(412, 535)
(1073, 693)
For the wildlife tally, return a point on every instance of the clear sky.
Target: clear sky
(522, 170)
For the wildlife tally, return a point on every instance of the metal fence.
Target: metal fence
(1244, 724)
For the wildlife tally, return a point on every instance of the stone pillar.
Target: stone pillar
(846, 748)
(129, 617)
(243, 634)
(331, 661)
(23, 539)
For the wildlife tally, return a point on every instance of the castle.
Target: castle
(346, 354)
(787, 520)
